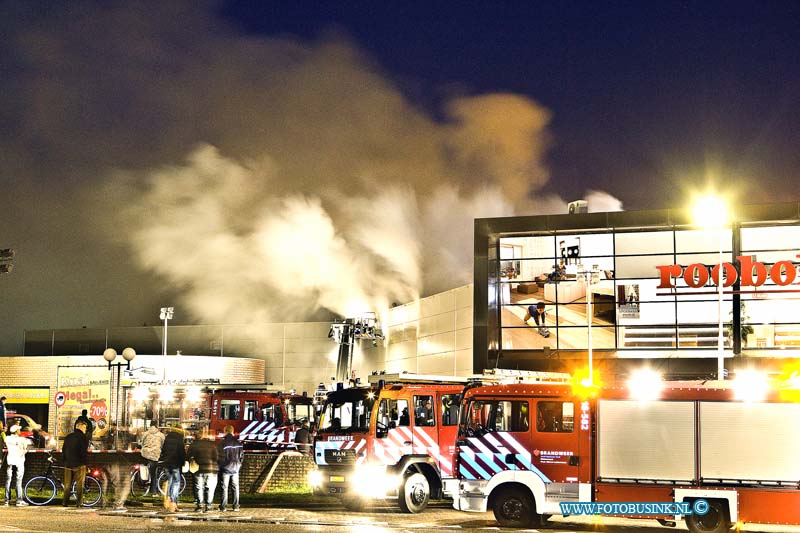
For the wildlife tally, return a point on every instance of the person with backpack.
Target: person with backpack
(152, 442)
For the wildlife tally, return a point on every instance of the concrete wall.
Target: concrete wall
(432, 335)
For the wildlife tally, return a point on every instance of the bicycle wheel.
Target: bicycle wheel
(138, 487)
(162, 478)
(92, 491)
(40, 490)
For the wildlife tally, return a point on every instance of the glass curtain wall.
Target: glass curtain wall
(628, 310)
(770, 313)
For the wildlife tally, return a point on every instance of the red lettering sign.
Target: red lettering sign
(753, 274)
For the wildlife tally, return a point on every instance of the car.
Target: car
(28, 425)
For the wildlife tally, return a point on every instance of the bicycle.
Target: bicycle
(42, 489)
(141, 488)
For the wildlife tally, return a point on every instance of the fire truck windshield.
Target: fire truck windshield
(346, 411)
(300, 411)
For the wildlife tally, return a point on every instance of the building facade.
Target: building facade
(641, 285)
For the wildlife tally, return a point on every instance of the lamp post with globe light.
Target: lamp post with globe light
(711, 212)
(110, 354)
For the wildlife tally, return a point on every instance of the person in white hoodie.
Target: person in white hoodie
(17, 448)
(152, 442)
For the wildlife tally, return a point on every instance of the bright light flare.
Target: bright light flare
(315, 479)
(751, 386)
(710, 211)
(583, 386)
(645, 384)
(789, 383)
(371, 480)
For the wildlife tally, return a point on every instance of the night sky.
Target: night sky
(641, 92)
(249, 162)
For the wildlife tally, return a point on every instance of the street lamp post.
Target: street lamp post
(710, 212)
(110, 354)
(592, 277)
(166, 315)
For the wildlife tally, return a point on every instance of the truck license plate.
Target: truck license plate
(337, 479)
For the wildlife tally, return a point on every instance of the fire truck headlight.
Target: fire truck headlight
(315, 479)
(645, 384)
(751, 386)
(373, 480)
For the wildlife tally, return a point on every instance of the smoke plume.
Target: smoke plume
(253, 178)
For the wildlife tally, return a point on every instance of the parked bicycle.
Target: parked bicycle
(141, 487)
(42, 489)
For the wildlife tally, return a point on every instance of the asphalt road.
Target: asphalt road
(328, 518)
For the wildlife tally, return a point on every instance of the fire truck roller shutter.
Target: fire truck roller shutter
(766, 437)
(645, 440)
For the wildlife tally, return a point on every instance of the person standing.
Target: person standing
(17, 448)
(303, 439)
(119, 467)
(3, 411)
(231, 455)
(173, 455)
(2, 444)
(87, 422)
(75, 456)
(152, 442)
(206, 455)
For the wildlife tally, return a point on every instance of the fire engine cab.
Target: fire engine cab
(261, 419)
(391, 439)
(524, 448)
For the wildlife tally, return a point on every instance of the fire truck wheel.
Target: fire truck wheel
(354, 503)
(714, 521)
(415, 493)
(514, 508)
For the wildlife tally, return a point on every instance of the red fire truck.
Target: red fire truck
(523, 449)
(261, 419)
(391, 439)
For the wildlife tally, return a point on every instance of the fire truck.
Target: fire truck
(525, 448)
(261, 419)
(391, 439)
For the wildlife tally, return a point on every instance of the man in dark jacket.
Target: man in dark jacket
(173, 455)
(231, 454)
(75, 459)
(3, 418)
(303, 438)
(205, 454)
